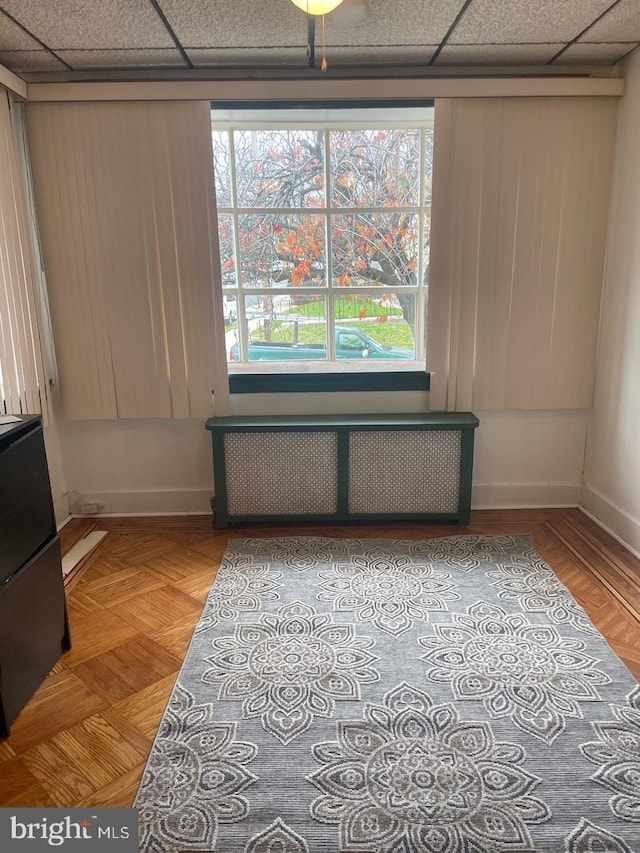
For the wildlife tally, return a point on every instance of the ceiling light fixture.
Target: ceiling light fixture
(317, 7)
(313, 8)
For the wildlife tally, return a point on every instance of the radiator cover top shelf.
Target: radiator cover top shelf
(344, 467)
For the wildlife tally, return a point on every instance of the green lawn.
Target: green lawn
(346, 309)
(393, 333)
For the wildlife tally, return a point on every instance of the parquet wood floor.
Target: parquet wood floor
(84, 737)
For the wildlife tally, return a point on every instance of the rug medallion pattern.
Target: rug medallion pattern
(244, 590)
(525, 671)
(383, 696)
(617, 754)
(527, 581)
(290, 668)
(194, 778)
(414, 775)
(390, 591)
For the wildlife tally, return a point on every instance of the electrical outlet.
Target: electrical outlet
(91, 508)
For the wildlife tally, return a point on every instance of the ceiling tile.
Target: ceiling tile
(152, 58)
(295, 56)
(13, 38)
(379, 55)
(248, 56)
(76, 24)
(497, 54)
(245, 23)
(400, 22)
(586, 53)
(236, 23)
(523, 21)
(30, 60)
(622, 23)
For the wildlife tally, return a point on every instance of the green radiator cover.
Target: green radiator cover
(316, 468)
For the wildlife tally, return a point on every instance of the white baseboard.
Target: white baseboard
(155, 502)
(196, 501)
(615, 520)
(524, 495)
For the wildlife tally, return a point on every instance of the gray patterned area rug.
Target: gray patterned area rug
(381, 696)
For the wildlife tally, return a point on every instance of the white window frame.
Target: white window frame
(327, 120)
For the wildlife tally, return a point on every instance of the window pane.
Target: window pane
(227, 257)
(426, 249)
(279, 168)
(286, 328)
(221, 163)
(377, 327)
(428, 166)
(282, 250)
(375, 168)
(375, 248)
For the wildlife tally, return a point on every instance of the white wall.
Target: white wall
(143, 466)
(55, 463)
(138, 466)
(528, 458)
(611, 489)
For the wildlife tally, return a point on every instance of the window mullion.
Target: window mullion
(303, 211)
(331, 336)
(419, 330)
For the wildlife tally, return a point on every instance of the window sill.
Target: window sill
(278, 383)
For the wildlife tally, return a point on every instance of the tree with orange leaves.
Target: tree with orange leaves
(375, 197)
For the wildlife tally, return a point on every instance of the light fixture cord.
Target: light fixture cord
(323, 67)
(308, 31)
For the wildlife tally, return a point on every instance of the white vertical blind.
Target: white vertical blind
(519, 219)
(24, 386)
(126, 207)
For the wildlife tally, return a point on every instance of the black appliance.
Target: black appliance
(34, 628)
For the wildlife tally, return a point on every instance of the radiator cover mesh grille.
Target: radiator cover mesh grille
(275, 468)
(412, 471)
(281, 473)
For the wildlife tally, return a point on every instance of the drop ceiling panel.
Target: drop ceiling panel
(75, 24)
(622, 22)
(249, 57)
(295, 56)
(30, 60)
(497, 54)
(379, 54)
(522, 21)
(13, 38)
(396, 23)
(151, 58)
(583, 53)
(236, 23)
